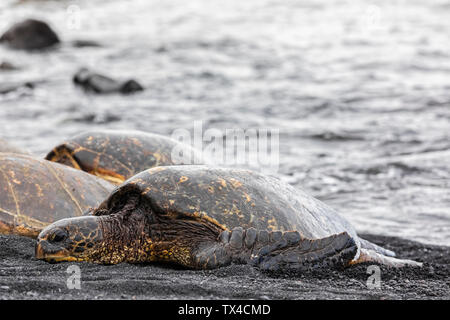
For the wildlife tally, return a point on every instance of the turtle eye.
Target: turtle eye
(58, 236)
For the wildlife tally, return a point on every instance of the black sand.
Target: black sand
(24, 277)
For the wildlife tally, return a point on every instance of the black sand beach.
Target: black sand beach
(24, 277)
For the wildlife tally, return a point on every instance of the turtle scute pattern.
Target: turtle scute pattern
(36, 192)
(118, 155)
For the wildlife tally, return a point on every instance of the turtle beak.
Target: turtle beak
(44, 251)
(39, 252)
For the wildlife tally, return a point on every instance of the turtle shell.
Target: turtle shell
(232, 198)
(119, 155)
(7, 147)
(35, 193)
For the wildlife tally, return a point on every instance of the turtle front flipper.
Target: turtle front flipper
(275, 250)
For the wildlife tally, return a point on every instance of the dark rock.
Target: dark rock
(131, 86)
(85, 43)
(30, 35)
(6, 66)
(98, 83)
(10, 87)
(96, 118)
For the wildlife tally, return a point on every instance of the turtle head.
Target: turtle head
(113, 233)
(81, 156)
(65, 154)
(73, 239)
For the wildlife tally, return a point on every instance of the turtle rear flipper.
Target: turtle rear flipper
(372, 246)
(276, 250)
(367, 255)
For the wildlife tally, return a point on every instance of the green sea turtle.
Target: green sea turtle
(202, 217)
(119, 155)
(35, 192)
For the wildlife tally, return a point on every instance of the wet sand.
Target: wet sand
(24, 277)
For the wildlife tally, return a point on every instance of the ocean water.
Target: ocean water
(359, 91)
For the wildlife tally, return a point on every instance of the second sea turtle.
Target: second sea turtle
(35, 193)
(117, 155)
